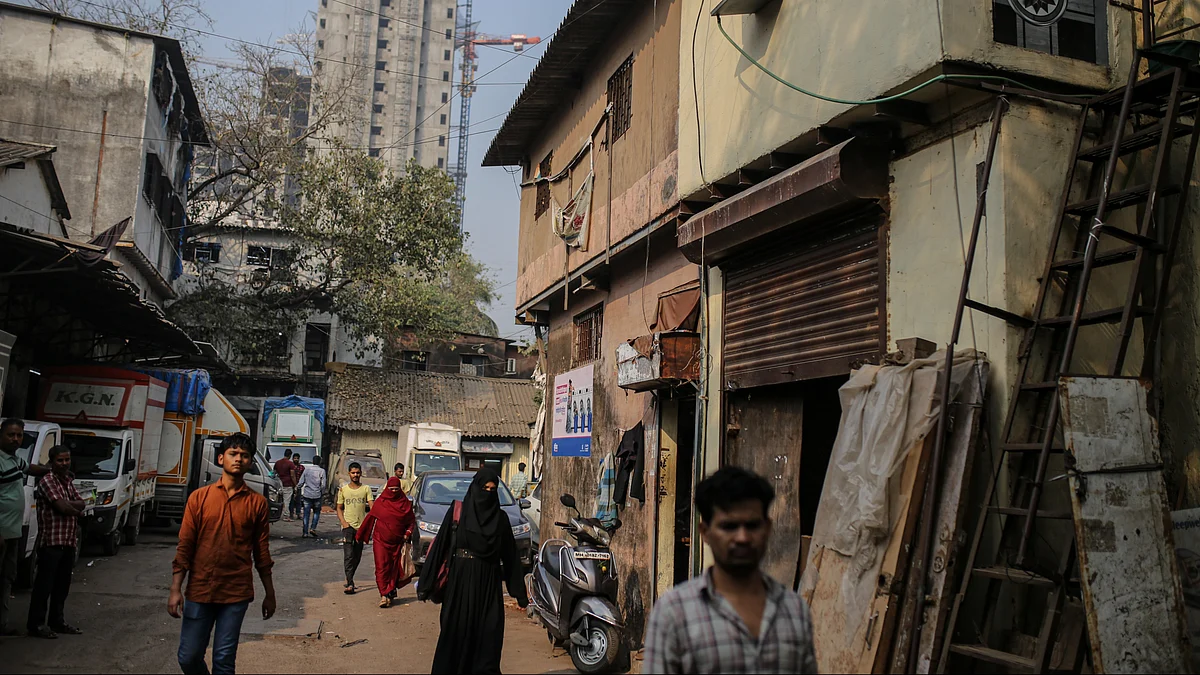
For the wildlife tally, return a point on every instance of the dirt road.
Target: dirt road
(120, 603)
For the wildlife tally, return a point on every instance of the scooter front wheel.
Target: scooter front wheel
(600, 653)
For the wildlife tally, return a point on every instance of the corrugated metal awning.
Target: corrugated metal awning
(840, 180)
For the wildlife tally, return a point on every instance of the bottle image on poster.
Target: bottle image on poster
(572, 425)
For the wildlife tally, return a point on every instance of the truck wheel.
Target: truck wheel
(111, 542)
(132, 530)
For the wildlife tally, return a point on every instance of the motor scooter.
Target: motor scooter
(573, 592)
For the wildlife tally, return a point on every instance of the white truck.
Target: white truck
(292, 423)
(432, 447)
(198, 418)
(112, 420)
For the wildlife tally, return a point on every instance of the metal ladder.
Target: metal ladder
(1037, 576)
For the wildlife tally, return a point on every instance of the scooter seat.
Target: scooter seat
(552, 558)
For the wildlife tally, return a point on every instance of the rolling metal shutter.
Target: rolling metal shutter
(804, 310)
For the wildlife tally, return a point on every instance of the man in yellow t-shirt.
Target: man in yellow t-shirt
(406, 481)
(353, 502)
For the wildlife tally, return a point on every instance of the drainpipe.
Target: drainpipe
(99, 168)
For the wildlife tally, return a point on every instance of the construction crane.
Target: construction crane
(468, 38)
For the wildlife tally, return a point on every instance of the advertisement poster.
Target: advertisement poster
(1187, 552)
(572, 431)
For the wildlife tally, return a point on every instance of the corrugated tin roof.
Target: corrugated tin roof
(557, 75)
(373, 399)
(12, 152)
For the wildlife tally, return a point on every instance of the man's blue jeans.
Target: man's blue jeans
(199, 621)
(313, 506)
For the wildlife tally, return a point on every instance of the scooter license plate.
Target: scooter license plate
(592, 555)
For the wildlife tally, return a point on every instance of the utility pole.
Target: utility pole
(467, 38)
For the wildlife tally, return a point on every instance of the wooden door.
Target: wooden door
(764, 428)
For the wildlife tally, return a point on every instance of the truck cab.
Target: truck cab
(105, 462)
(433, 447)
(39, 438)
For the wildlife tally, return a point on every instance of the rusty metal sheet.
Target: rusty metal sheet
(842, 179)
(1130, 577)
(792, 313)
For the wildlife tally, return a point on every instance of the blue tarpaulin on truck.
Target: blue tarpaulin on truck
(314, 404)
(186, 389)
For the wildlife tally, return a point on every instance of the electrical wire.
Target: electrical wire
(895, 97)
(266, 147)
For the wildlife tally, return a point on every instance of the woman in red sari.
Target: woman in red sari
(391, 522)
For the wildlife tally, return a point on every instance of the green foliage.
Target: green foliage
(381, 251)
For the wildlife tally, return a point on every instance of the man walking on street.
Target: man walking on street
(285, 469)
(59, 507)
(733, 618)
(353, 502)
(405, 483)
(295, 506)
(520, 482)
(225, 525)
(12, 509)
(312, 491)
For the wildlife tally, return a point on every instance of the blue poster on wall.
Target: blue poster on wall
(572, 431)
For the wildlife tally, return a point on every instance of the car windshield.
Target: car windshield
(429, 462)
(94, 456)
(446, 489)
(305, 453)
(372, 467)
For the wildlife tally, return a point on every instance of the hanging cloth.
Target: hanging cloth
(631, 466)
(606, 508)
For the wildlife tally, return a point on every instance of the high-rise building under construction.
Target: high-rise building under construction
(394, 59)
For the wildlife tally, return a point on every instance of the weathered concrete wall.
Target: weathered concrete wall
(848, 50)
(33, 208)
(644, 162)
(629, 307)
(63, 84)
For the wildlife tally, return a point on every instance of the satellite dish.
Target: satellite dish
(1040, 12)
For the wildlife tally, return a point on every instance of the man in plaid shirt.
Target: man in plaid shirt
(59, 507)
(733, 618)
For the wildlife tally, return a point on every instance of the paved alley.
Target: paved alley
(120, 603)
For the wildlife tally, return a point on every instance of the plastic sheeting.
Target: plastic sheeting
(186, 389)
(886, 412)
(314, 404)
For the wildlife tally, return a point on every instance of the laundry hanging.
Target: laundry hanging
(631, 466)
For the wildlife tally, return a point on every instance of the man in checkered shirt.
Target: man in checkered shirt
(59, 507)
(733, 618)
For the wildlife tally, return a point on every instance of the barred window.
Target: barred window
(588, 330)
(543, 188)
(620, 97)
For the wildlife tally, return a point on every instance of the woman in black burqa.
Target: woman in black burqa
(485, 554)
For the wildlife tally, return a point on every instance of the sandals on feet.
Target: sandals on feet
(385, 602)
(350, 590)
(67, 629)
(44, 632)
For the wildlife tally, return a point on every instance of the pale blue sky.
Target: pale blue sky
(492, 200)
